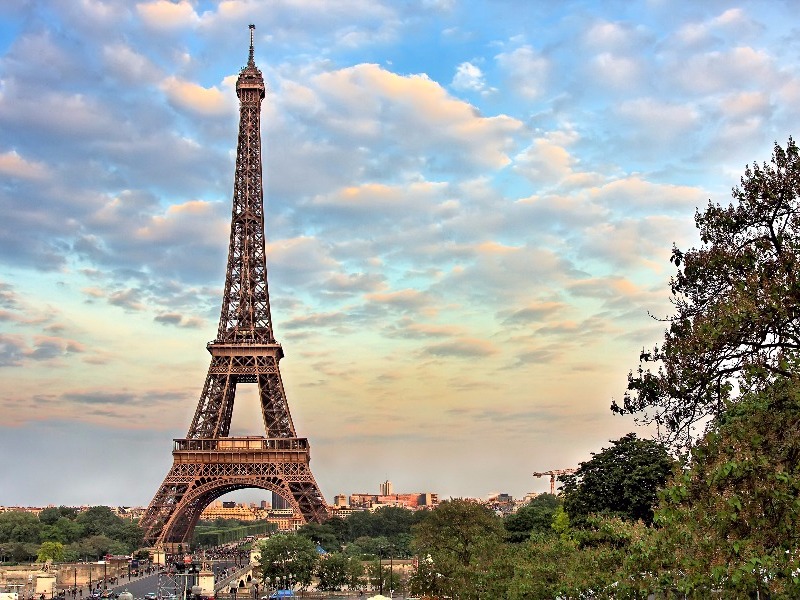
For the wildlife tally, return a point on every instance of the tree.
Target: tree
(53, 551)
(332, 572)
(455, 543)
(17, 526)
(730, 522)
(63, 530)
(331, 535)
(50, 515)
(621, 481)
(283, 555)
(535, 517)
(737, 301)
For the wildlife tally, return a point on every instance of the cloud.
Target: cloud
(659, 120)
(526, 70)
(196, 98)
(13, 165)
(369, 101)
(167, 15)
(469, 78)
(461, 348)
(719, 70)
(132, 67)
(615, 71)
(8, 297)
(533, 313)
(411, 329)
(179, 320)
(129, 299)
(408, 300)
(12, 350)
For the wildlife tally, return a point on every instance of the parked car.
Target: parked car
(150, 596)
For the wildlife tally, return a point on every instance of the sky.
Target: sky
(470, 209)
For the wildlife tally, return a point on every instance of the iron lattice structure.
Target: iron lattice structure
(209, 463)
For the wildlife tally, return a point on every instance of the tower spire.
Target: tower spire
(251, 61)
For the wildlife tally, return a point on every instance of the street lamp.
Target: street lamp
(380, 568)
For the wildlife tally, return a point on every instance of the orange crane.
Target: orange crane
(553, 474)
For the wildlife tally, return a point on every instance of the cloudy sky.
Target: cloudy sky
(470, 210)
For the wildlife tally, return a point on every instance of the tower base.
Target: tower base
(205, 469)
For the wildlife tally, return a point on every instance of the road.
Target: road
(142, 585)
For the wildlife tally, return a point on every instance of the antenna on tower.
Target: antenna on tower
(250, 60)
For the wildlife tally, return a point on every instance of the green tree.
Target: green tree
(282, 555)
(456, 542)
(737, 301)
(50, 515)
(53, 551)
(323, 534)
(95, 547)
(622, 481)
(730, 522)
(355, 573)
(18, 526)
(63, 530)
(360, 525)
(536, 516)
(99, 520)
(332, 571)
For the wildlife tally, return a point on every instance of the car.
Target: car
(150, 596)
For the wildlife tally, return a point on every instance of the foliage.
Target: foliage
(52, 551)
(18, 552)
(283, 555)
(622, 481)
(222, 531)
(730, 522)
(382, 577)
(535, 517)
(385, 530)
(560, 524)
(63, 530)
(455, 544)
(337, 571)
(332, 572)
(52, 514)
(88, 534)
(18, 526)
(737, 301)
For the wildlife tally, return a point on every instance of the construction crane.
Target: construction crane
(553, 474)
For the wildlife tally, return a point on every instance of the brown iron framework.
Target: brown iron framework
(208, 463)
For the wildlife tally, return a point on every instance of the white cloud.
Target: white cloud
(468, 77)
(615, 71)
(717, 71)
(164, 14)
(417, 114)
(526, 70)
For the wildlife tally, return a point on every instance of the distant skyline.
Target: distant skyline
(470, 208)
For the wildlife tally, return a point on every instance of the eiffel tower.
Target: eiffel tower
(209, 463)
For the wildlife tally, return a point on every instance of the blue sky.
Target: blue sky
(470, 210)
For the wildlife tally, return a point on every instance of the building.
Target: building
(414, 501)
